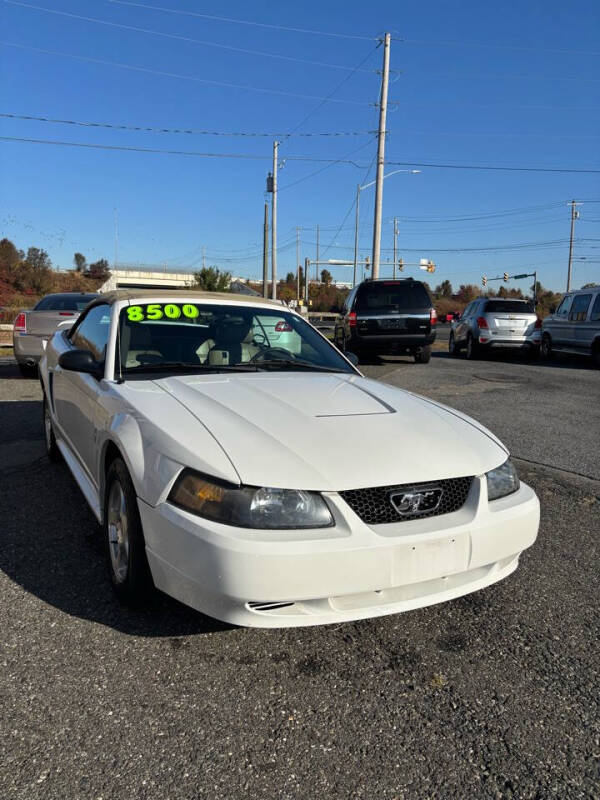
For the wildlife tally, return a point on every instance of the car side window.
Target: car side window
(579, 308)
(93, 331)
(467, 311)
(563, 310)
(595, 312)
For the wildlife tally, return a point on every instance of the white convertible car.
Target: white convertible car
(242, 464)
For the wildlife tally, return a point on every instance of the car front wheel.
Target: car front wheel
(124, 538)
(423, 356)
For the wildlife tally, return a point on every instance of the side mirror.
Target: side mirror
(81, 361)
(352, 358)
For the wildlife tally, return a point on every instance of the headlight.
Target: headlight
(249, 506)
(502, 481)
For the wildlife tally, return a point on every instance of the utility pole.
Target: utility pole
(317, 268)
(381, 156)
(274, 225)
(306, 268)
(574, 216)
(356, 235)
(395, 243)
(298, 295)
(266, 252)
(203, 257)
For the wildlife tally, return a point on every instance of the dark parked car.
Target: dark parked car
(387, 316)
(574, 327)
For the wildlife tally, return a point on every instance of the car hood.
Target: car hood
(332, 432)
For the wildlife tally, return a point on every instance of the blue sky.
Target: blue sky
(503, 84)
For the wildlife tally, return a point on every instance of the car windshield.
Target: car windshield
(204, 336)
(65, 302)
(392, 295)
(508, 307)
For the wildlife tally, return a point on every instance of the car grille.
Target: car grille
(375, 507)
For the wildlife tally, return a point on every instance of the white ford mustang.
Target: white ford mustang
(240, 463)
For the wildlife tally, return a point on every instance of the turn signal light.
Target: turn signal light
(482, 322)
(352, 319)
(433, 317)
(21, 323)
(283, 326)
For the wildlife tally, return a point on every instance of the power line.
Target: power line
(175, 152)
(487, 45)
(193, 132)
(292, 158)
(486, 167)
(205, 81)
(243, 21)
(334, 91)
(322, 169)
(205, 43)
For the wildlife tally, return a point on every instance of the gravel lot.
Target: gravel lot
(493, 695)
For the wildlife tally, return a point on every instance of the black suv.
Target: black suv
(384, 316)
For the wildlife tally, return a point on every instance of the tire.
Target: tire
(546, 347)
(124, 538)
(452, 346)
(27, 371)
(423, 356)
(472, 350)
(596, 356)
(52, 450)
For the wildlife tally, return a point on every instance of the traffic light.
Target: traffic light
(506, 277)
(484, 281)
(400, 264)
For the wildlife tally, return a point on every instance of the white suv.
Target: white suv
(496, 322)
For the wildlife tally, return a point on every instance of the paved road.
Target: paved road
(494, 695)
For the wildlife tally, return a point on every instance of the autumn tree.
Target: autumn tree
(80, 262)
(326, 277)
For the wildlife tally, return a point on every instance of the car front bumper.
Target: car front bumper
(350, 571)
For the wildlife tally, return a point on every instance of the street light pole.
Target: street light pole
(395, 243)
(274, 225)
(356, 235)
(381, 156)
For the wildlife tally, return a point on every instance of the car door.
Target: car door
(578, 318)
(76, 393)
(592, 326)
(559, 326)
(462, 326)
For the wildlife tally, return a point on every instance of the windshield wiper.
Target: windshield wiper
(183, 366)
(289, 363)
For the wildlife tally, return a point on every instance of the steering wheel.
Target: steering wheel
(275, 353)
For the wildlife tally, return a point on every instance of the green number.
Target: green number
(172, 312)
(154, 311)
(135, 313)
(190, 311)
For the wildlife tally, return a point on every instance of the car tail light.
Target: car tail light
(282, 327)
(66, 314)
(433, 316)
(482, 322)
(21, 323)
(538, 324)
(352, 319)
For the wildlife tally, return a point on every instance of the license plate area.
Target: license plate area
(395, 324)
(429, 559)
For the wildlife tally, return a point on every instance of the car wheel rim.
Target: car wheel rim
(118, 532)
(47, 427)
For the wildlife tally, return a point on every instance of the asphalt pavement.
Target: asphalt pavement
(494, 695)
